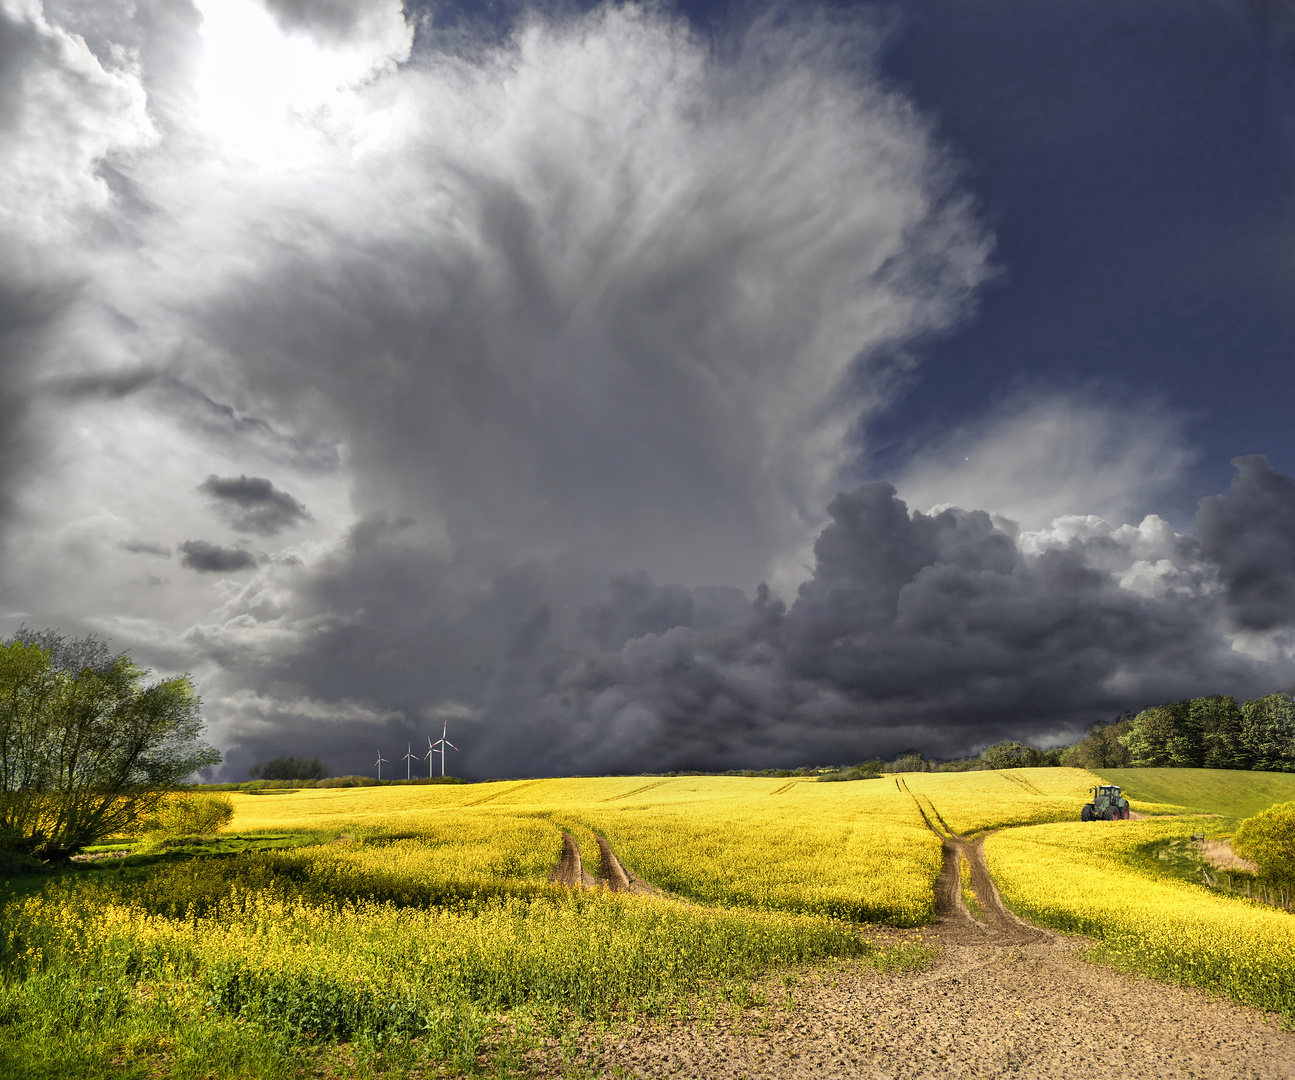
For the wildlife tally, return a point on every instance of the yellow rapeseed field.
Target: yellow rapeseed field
(1095, 879)
(970, 803)
(425, 913)
(851, 850)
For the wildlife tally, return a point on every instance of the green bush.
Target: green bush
(346, 781)
(857, 773)
(1268, 839)
(191, 815)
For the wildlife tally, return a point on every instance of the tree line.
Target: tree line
(1213, 732)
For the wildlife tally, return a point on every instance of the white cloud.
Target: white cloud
(1038, 459)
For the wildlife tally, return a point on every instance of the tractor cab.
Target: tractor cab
(1107, 805)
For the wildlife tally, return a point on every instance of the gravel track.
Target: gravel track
(1002, 999)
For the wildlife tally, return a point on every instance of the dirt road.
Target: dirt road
(1003, 999)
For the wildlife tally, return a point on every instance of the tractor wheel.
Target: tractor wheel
(1086, 814)
(1113, 814)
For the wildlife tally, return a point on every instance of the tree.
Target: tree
(1150, 738)
(87, 748)
(1102, 748)
(1011, 755)
(1219, 722)
(1268, 839)
(290, 768)
(1268, 732)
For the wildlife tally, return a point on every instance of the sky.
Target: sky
(642, 388)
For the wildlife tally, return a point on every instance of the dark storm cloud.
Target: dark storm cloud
(915, 629)
(943, 631)
(145, 547)
(209, 558)
(254, 504)
(584, 340)
(577, 317)
(1249, 531)
(636, 606)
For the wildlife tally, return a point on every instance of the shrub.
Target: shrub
(290, 768)
(346, 781)
(192, 815)
(1268, 839)
(865, 770)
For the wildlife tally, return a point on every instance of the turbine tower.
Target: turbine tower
(439, 746)
(379, 762)
(410, 757)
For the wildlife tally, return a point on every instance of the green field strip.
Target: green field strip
(1230, 793)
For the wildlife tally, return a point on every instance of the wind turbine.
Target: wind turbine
(379, 762)
(410, 757)
(438, 747)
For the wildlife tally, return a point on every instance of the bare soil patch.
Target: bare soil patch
(612, 874)
(570, 869)
(982, 1010)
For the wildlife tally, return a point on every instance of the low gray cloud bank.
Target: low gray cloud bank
(942, 631)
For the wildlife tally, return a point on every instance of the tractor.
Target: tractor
(1107, 805)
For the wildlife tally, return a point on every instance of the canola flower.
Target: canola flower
(975, 802)
(969, 896)
(858, 851)
(266, 954)
(1094, 879)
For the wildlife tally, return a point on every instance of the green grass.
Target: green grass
(1229, 793)
(17, 880)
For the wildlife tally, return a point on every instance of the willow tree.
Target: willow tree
(88, 746)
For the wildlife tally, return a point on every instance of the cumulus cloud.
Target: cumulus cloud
(208, 558)
(944, 631)
(914, 629)
(254, 504)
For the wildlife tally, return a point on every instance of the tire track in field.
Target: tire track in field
(1020, 781)
(570, 870)
(954, 923)
(504, 791)
(612, 871)
(612, 874)
(636, 791)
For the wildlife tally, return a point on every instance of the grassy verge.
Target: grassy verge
(1231, 793)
